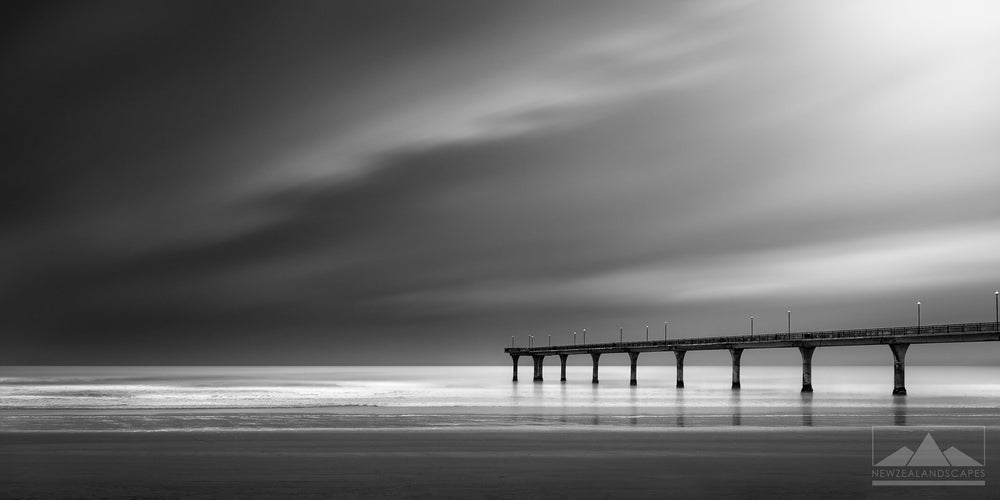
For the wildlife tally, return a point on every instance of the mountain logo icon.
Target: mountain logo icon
(928, 454)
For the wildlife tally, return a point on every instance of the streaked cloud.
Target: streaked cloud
(310, 183)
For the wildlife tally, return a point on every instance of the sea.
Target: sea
(38, 399)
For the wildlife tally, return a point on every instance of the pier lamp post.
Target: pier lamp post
(996, 304)
(647, 333)
(751, 326)
(574, 338)
(584, 335)
(789, 322)
(550, 340)
(918, 317)
(664, 331)
(621, 335)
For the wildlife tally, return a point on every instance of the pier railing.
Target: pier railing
(860, 333)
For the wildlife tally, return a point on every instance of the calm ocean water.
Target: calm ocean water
(43, 399)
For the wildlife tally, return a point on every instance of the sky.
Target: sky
(383, 182)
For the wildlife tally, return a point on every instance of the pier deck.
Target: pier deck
(897, 338)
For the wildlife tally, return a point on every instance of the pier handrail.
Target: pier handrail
(858, 333)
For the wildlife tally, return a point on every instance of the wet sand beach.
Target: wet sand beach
(468, 432)
(455, 463)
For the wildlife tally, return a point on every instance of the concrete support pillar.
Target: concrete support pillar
(514, 358)
(899, 368)
(736, 355)
(562, 363)
(633, 356)
(680, 368)
(807, 367)
(538, 367)
(595, 356)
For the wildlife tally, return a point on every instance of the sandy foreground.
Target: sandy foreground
(453, 463)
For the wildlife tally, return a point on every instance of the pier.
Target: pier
(898, 339)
